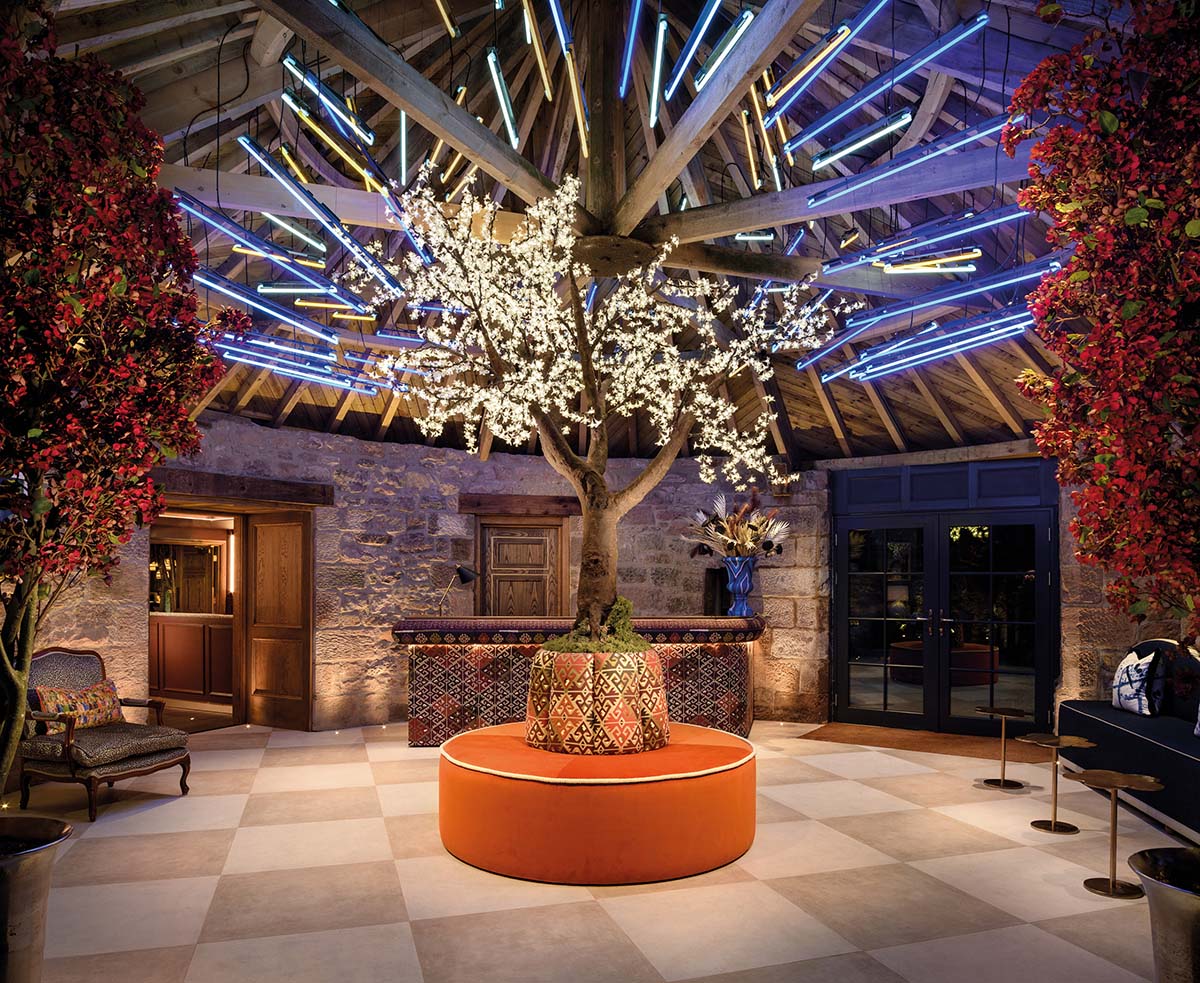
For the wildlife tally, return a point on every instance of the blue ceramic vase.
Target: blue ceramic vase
(739, 573)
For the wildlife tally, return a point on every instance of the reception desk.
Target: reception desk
(466, 673)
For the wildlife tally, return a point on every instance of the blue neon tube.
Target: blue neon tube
(560, 25)
(911, 158)
(703, 22)
(939, 348)
(247, 297)
(660, 54)
(329, 99)
(296, 371)
(881, 83)
(290, 346)
(635, 14)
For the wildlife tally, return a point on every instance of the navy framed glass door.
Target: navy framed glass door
(937, 614)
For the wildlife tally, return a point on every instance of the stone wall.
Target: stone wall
(388, 545)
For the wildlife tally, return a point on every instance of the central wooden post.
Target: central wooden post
(606, 114)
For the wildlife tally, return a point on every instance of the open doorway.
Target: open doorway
(194, 634)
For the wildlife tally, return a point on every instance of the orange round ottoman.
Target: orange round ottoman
(597, 819)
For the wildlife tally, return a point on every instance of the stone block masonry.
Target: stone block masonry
(387, 547)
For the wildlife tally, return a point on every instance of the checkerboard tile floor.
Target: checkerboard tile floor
(316, 857)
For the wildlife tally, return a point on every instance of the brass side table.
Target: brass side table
(1003, 713)
(1112, 782)
(1054, 742)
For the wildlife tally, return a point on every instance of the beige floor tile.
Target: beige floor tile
(302, 778)
(806, 847)
(227, 760)
(574, 943)
(819, 800)
(766, 731)
(1023, 881)
(1121, 935)
(303, 738)
(729, 874)
(742, 926)
(945, 762)
(199, 782)
(918, 835)
(1096, 805)
(167, 814)
(310, 899)
(116, 917)
(371, 954)
(386, 733)
(408, 799)
(769, 810)
(869, 764)
(441, 887)
(397, 772)
(346, 841)
(317, 754)
(228, 739)
(400, 751)
(799, 747)
(317, 805)
(1092, 852)
(167, 965)
(414, 836)
(785, 770)
(891, 905)
(854, 967)
(1022, 952)
(938, 789)
(1035, 776)
(159, 856)
(1010, 818)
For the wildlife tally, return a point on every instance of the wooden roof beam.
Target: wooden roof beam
(775, 25)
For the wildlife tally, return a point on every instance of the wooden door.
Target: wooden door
(523, 571)
(279, 643)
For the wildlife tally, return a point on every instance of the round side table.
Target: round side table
(1054, 742)
(1003, 713)
(1112, 782)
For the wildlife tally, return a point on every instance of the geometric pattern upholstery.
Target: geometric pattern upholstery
(95, 746)
(454, 688)
(93, 706)
(596, 703)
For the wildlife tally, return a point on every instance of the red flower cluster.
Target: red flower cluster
(1117, 170)
(101, 353)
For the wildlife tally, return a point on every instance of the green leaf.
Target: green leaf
(1130, 308)
(1108, 121)
(1182, 378)
(1136, 215)
(35, 432)
(1155, 203)
(1069, 206)
(76, 304)
(41, 505)
(138, 169)
(1078, 276)
(1193, 228)
(118, 288)
(1139, 607)
(1049, 9)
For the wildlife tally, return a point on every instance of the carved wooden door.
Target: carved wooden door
(522, 571)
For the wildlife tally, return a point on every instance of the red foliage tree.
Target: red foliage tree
(101, 352)
(1117, 169)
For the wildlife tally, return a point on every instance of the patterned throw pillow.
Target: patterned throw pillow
(92, 707)
(1137, 686)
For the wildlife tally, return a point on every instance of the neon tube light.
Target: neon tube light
(320, 212)
(298, 232)
(886, 80)
(452, 27)
(943, 262)
(506, 106)
(313, 83)
(956, 328)
(660, 53)
(693, 42)
(635, 13)
(466, 179)
(767, 286)
(591, 296)
(956, 292)
(327, 305)
(804, 72)
(460, 96)
(577, 99)
(436, 309)
(951, 268)
(235, 291)
(560, 24)
(958, 336)
(855, 140)
(292, 359)
(756, 105)
(334, 142)
(403, 147)
(751, 156)
(724, 46)
(533, 35)
(348, 316)
(293, 163)
(849, 239)
(912, 158)
(448, 173)
(296, 371)
(288, 288)
(287, 345)
(759, 235)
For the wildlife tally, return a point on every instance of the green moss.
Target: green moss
(617, 634)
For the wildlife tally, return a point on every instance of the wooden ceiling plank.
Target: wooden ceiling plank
(775, 24)
(939, 406)
(288, 403)
(830, 408)
(995, 398)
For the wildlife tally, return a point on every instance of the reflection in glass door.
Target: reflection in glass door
(936, 615)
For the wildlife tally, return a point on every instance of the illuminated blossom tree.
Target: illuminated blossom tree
(519, 348)
(101, 353)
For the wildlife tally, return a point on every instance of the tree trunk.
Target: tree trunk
(598, 566)
(14, 681)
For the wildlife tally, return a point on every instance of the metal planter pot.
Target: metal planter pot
(27, 849)
(1171, 877)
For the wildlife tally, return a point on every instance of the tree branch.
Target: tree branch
(657, 469)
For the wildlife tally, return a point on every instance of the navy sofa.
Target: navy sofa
(1164, 746)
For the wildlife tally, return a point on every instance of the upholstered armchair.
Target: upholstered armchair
(91, 755)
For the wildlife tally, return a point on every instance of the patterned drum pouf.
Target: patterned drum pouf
(596, 703)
